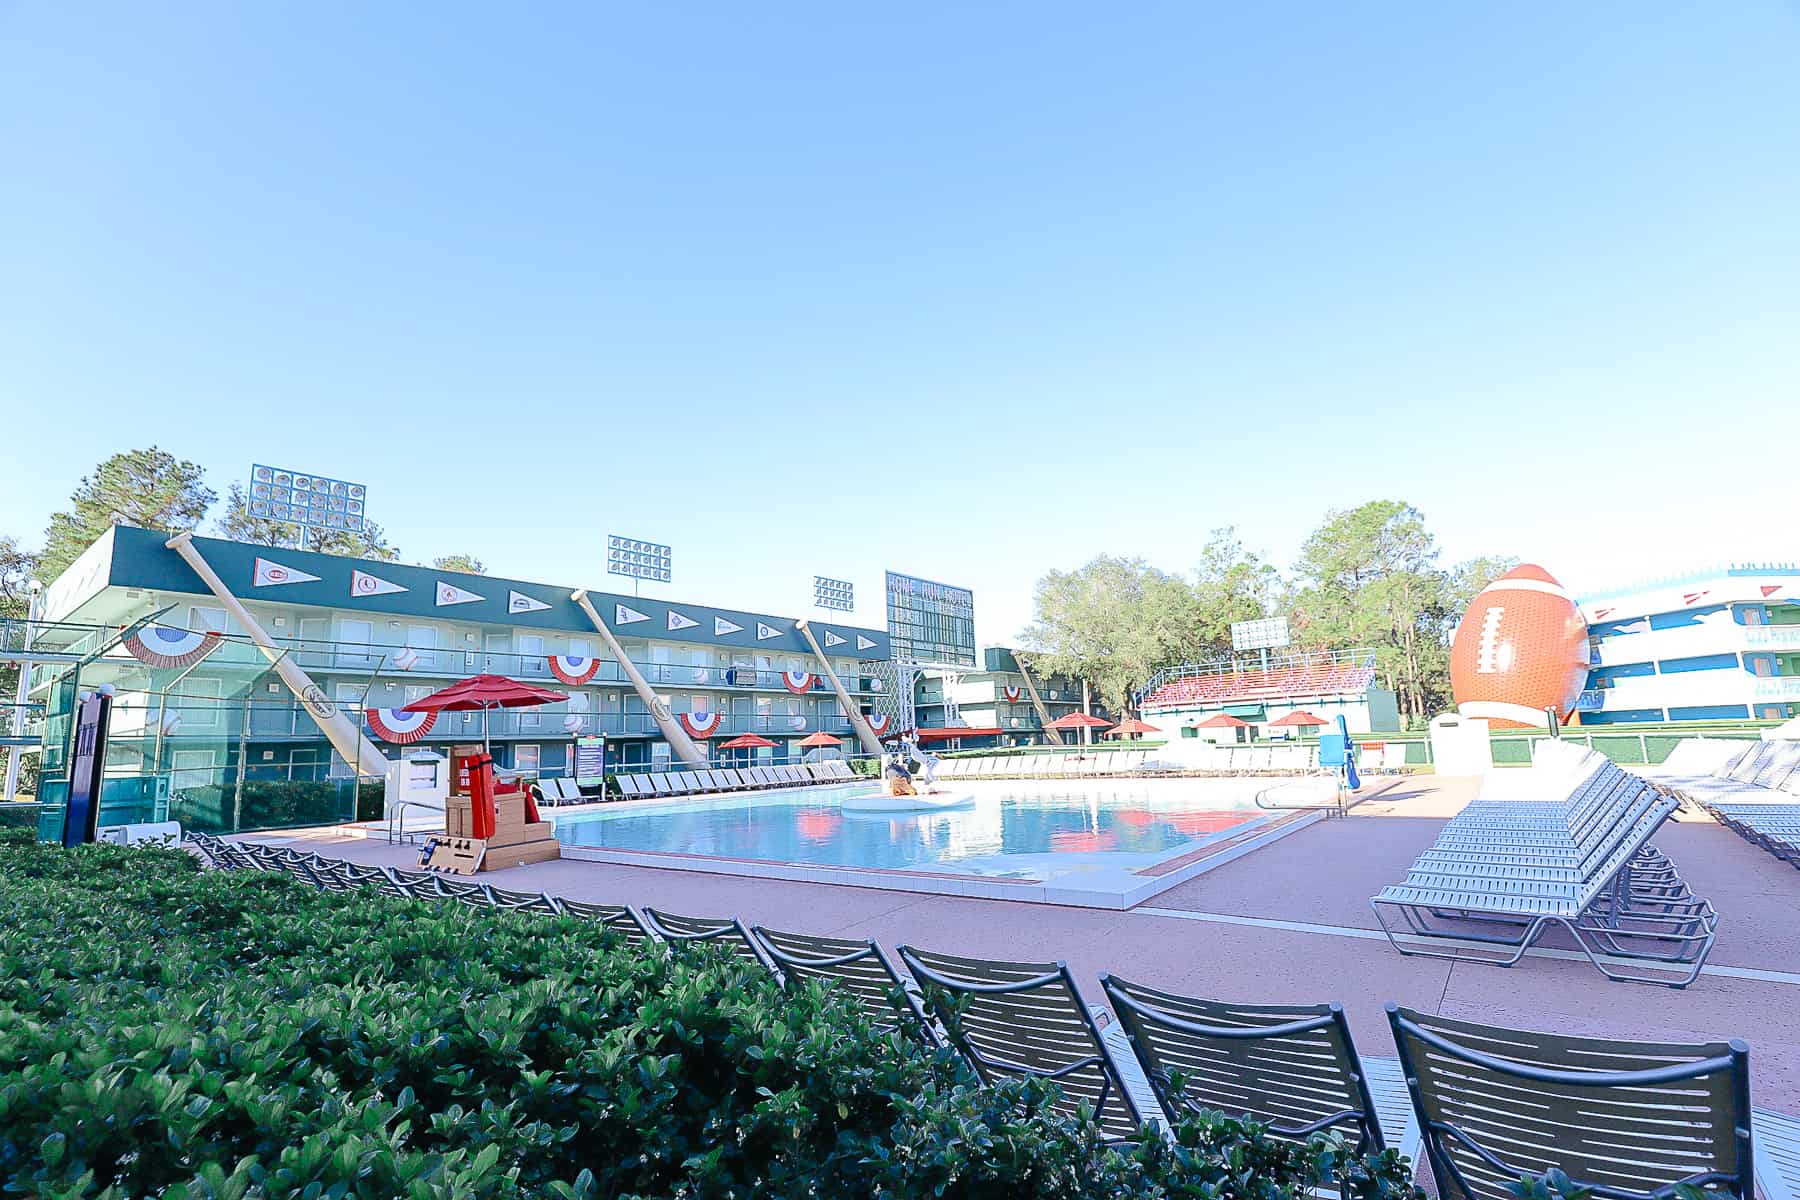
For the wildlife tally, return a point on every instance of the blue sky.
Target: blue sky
(964, 293)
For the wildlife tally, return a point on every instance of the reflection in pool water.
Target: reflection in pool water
(1022, 831)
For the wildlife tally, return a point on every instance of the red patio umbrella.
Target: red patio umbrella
(820, 739)
(482, 692)
(1081, 721)
(1222, 721)
(1300, 718)
(1131, 727)
(747, 741)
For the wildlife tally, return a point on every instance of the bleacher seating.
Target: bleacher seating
(1255, 683)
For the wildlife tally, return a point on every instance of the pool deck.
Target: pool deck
(1287, 923)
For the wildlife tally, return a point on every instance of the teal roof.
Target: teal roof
(140, 559)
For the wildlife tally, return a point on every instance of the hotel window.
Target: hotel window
(202, 619)
(577, 648)
(525, 758)
(200, 703)
(530, 645)
(421, 637)
(360, 633)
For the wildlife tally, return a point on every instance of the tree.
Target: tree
(1230, 584)
(150, 489)
(17, 569)
(240, 525)
(466, 563)
(1368, 577)
(1112, 623)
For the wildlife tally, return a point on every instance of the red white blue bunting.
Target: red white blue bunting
(398, 726)
(879, 722)
(574, 669)
(163, 646)
(701, 724)
(797, 681)
(1011, 692)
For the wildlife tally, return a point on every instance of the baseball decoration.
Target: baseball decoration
(574, 669)
(398, 726)
(1521, 648)
(797, 681)
(879, 722)
(406, 658)
(171, 723)
(162, 646)
(701, 724)
(574, 723)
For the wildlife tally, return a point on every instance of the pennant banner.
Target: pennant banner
(832, 639)
(680, 621)
(574, 669)
(269, 573)
(863, 643)
(398, 726)
(797, 681)
(364, 584)
(627, 616)
(701, 724)
(721, 627)
(519, 602)
(449, 593)
(765, 632)
(165, 646)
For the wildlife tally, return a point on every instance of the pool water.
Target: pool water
(1022, 831)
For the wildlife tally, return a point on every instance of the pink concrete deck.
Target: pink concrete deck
(1290, 923)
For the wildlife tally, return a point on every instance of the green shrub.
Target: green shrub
(167, 1031)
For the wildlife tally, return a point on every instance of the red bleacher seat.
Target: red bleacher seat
(1275, 683)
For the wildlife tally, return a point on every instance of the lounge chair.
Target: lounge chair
(617, 917)
(536, 902)
(1292, 1068)
(1026, 1019)
(859, 967)
(679, 931)
(1628, 1119)
(1487, 894)
(630, 786)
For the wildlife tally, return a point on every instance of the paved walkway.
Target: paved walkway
(1290, 923)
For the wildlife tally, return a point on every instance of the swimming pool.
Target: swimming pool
(1104, 843)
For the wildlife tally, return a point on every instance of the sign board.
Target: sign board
(930, 622)
(590, 761)
(1267, 633)
(87, 769)
(308, 500)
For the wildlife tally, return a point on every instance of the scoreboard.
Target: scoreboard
(930, 622)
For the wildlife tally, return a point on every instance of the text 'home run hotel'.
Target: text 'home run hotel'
(377, 636)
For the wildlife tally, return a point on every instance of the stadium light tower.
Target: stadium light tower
(637, 560)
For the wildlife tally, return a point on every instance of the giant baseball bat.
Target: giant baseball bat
(345, 736)
(870, 743)
(677, 737)
(1042, 712)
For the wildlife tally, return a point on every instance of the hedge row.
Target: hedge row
(166, 1031)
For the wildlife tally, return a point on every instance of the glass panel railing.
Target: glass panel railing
(210, 800)
(394, 662)
(60, 639)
